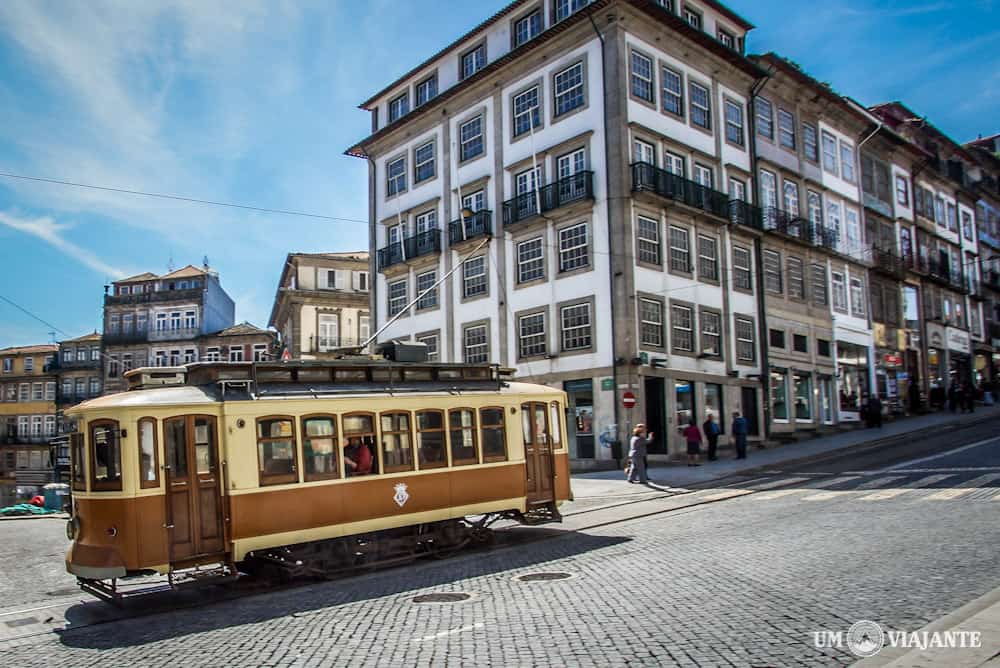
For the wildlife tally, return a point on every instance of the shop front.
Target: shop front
(959, 356)
(891, 380)
(852, 377)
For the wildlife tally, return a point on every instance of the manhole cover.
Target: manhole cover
(24, 621)
(543, 577)
(443, 597)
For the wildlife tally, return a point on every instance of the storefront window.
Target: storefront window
(803, 397)
(713, 405)
(852, 362)
(826, 400)
(581, 405)
(684, 393)
(779, 395)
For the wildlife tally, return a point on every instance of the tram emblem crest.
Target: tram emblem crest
(401, 496)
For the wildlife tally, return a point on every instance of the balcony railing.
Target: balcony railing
(826, 237)
(479, 224)
(745, 214)
(940, 272)
(422, 243)
(153, 297)
(173, 334)
(987, 238)
(888, 263)
(124, 338)
(991, 279)
(579, 186)
(788, 223)
(647, 177)
(78, 364)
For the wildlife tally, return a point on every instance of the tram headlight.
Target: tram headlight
(73, 527)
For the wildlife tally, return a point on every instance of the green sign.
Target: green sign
(607, 384)
(644, 357)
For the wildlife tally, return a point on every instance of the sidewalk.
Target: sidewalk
(609, 485)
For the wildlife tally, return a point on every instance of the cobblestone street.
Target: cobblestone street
(745, 581)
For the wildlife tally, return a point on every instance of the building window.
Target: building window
(95, 387)
(395, 175)
(711, 333)
(530, 260)
(745, 348)
(693, 18)
(800, 343)
(701, 106)
(765, 117)
(790, 190)
(902, 191)
(708, 258)
(397, 297)
(681, 328)
(674, 164)
(565, 8)
(737, 189)
(527, 28)
(815, 206)
(474, 277)
(431, 341)
(839, 292)
(742, 279)
(37, 391)
(833, 218)
(531, 335)
(471, 134)
(847, 161)
(527, 112)
(425, 222)
(830, 153)
(568, 87)
(360, 280)
(819, 288)
(822, 347)
(809, 142)
(857, 298)
(734, 122)
(703, 175)
(796, 279)
(727, 39)
(50, 391)
(423, 162)
(235, 353)
(476, 344)
(673, 91)
(642, 77)
(212, 354)
(648, 240)
(772, 272)
(680, 250)
(643, 151)
(651, 322)
(427, 89)
(473, 61)
(576, 332)
(573, 250)
(952, 221)
(776, 338)
(786, 129)
(967, 225)
(427, 293)
(399, 107)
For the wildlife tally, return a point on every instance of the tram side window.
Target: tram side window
(526, 428)
(430, 440)
(106, 456)
(397, 446)
(175, 447)
(359, 445)
(149, 470)
(491, 422)
(555, 424)
(77, 453)
(462, 423)
(319, 447)
(276, 450)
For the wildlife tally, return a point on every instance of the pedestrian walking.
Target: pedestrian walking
(739, 435)
(637, 454)
(712, 431)
(873, 412)
(969, 398)
(693, 437)
(954, 394)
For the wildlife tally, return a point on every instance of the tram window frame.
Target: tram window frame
(145, 483)
(387, 375)
(398, 434)
(78, 457)
(335, 453)
(423, 464)
(266, 479)
(501, 427)
(556, 414)
(473, 428)
(372, 445)
(107, 484)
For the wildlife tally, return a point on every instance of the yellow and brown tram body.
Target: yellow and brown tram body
(207, 463)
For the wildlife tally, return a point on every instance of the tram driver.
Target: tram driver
(357, 458)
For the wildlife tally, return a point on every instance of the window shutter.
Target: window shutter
(356, 281)
(339, 280)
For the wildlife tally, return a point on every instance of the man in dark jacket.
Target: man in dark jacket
(873, 412)
(712, 431)
(739, 432)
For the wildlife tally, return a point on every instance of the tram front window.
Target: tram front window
(106, 471)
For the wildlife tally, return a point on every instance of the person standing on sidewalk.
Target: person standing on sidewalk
(873, 412)
(637, 454)
(954, 394)
(712, 431)
(739, 432)
(693, 437)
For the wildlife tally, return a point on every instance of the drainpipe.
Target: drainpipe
(872, 363)
(758, 253)
(607, 214)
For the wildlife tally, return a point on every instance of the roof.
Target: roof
(241, 329)
(349, 255)
(28, 350)
(185, 272)
(86, 338)
(145, 276)
(794, 71)
(912, 119)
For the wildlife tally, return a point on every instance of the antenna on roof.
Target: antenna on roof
(204, 263)
(170, 263)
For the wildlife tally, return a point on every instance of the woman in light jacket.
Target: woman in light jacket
(637, 454)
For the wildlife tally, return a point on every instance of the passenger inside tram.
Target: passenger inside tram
(357, 458)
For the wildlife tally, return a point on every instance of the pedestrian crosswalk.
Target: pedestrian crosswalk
(959, 484)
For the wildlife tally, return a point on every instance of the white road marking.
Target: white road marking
(727, 494)
(833, 481)
(966, 487)
(957, 469)
(909, 487)
(778, 494)
(442, 634)
(875, 483)
(779, 483)
(941, 454)
(44, 607)
(824, 496)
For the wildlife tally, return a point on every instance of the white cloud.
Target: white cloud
(50, 232)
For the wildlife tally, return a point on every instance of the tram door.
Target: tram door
(194, 502)
(538, 458)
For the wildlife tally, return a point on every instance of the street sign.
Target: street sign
(607, 384)
(628, 400)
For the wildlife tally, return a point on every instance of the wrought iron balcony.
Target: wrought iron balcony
(479, 224)
(888, 263)
(826, 237)
(187, 295)
(170, 334)
(124, 338)
(579, 186)
(745, 214)
(420, 244)
(74, 363)
(787, 223)
(977, 290)
(649, 178)
(940, 273)
(992, 279)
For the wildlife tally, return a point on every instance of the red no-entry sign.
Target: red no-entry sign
(628, 400)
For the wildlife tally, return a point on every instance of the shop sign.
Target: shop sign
(878, 333)
(607, 384)
(892, 360)
(935, 335)
(958, 340)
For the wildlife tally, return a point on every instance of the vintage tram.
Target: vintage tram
(203, 471)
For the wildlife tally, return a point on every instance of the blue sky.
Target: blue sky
(254, 103)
